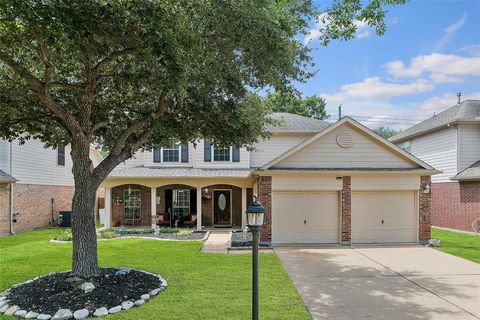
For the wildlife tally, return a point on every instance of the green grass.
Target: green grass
(201, 286)
(459, 244)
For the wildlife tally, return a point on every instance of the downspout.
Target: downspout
(11, 188)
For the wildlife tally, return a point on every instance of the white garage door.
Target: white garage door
(383, 217)
(305, 217)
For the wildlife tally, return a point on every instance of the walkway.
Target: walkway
(217, 242)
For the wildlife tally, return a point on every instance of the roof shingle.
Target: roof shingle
(295, 123)
(466, 110)
(156, 172)
(4, 177)
(470, 173)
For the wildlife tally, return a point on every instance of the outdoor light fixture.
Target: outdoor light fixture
(426, 188)
(255, 217)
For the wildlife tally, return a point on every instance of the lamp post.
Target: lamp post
(255, 214)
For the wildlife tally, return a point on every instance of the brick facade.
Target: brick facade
(207, 204)
(425, 209)
(118, 218)
(265, 198)
(346, 210)
(4, 209)
(455, 205)
(32, 205)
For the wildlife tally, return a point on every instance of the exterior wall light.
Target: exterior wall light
(426, 188)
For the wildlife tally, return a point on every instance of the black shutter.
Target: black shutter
(235, 154)
(185, 153)
(156, 155)
(207, 151)
(60, 155)
(168, 200)
(193, 201)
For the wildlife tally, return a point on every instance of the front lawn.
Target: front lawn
(459, 244)
(201, 286)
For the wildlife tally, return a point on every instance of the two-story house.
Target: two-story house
(450, 141)
(319, 182)
(36, 183)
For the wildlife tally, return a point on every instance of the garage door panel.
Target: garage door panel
(395, 209)
(305, 217)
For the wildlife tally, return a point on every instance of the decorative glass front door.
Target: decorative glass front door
(222, 208)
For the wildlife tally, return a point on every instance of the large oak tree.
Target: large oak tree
(133, 74)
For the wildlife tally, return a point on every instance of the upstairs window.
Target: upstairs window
(61, 155)
(171, 153)
(221, 154)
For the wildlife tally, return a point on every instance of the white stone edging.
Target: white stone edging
(14, 310)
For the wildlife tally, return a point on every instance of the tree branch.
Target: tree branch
(122, 151)
(112, 56)
(39, 87)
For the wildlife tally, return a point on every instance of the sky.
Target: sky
(430, 51)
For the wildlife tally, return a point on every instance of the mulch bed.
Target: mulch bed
(197, 235)
(53, 292)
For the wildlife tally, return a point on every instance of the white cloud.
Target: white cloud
(450, 32)
(323, 20)
(473, 49)
(374, 88)
(440, 67)
(440, 103)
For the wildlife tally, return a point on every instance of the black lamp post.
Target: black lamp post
(255, 214)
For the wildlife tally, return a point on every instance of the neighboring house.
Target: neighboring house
(319, 182)
(36, 183)
(450, 141)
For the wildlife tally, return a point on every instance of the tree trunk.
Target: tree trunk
(85, 258)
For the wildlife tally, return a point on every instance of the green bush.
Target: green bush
(148, 230)
(168, 230)
(65, 234)
(184, 232)
(106, 234)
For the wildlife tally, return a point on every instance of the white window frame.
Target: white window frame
(174, 200)
(161, 154)
(222, 161)
(125, 193)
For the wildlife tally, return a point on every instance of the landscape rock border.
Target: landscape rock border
(9, 308)
(207, 234)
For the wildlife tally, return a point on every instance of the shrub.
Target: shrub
(65, 234)
(168, 230)
(149, 230)
(184, 232)
(106, 234)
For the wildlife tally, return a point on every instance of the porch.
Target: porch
(196, 203)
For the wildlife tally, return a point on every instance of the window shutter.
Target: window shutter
(156, 155)
(61, 155)
(193, 200)
(235, 154)
(207, 150)
(185, 153)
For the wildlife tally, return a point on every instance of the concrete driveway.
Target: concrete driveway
(408, 282)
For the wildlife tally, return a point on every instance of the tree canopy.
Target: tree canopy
(135, 74)
(311, 106)
(385, 131)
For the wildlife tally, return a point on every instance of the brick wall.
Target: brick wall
(425, 201)
(34, 205)
(455, 205)
(118, 210)
(4, 209)
(207, 204)
(265, 198)
(346, 210)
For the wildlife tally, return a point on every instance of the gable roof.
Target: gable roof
(295, 123)
(467, 110)
(4, 177)
(363, 129)
(470, 173)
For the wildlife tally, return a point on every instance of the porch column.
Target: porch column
(199, 208)
(153, 206)
(244, 206)
(108, 207)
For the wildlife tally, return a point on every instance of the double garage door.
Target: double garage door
(314, 217)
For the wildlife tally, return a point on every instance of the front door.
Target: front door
(222, 209)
